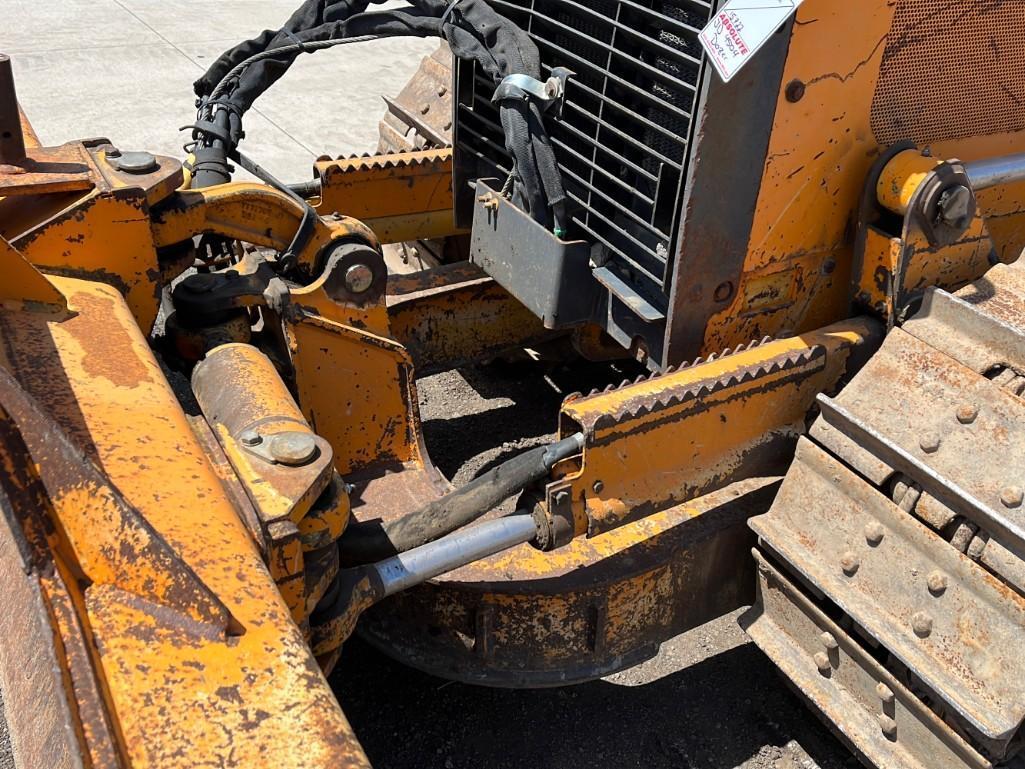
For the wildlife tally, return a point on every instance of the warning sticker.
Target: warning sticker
(740, 29)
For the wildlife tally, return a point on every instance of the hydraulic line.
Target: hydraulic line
(473, 29)
(357, 589)
(372, 541)
(407, 570)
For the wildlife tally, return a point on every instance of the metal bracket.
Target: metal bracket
(551, 94)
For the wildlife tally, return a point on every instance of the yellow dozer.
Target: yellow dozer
(796, 225)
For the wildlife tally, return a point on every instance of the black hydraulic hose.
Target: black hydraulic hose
(370, 541)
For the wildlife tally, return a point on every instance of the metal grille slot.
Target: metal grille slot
(622, 143)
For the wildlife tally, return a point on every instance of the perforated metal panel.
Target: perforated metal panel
(952, 70)
(623, 141)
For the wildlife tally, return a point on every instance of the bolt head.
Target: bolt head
(250, 438)
(885, 694)
(967, 413)
(930, 443)
(956, 206)
(293, 449)
(599, 487)
(795, 91)
(922, 623)
(888, 726)
(937, 582)
(1012, 496)
(829, 641)
(874, 533)
(850, 563)
(359, 278)
(724, 292)
(822, 663)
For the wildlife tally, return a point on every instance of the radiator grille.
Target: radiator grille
(950, 71)
(622, 143)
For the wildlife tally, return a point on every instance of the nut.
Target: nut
(250, 438)
(888, 727)
(850, 563)
(967, 413)
(937, 582)
(359, 278)
(921, 623)
(874, 533)
(957, 206)
(930, 443)
(822, 663)
(1012, 496)
(885, 694)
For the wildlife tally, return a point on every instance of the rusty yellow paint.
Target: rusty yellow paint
(902, 177)
(401, 197)
(240, 691)
(23, 285)
(253, 213)
(821, 150)
(875, 279)
(99, 229)
(357, 389)
(326, 523)
(666, 440)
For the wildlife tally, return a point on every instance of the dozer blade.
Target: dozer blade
(891, 575)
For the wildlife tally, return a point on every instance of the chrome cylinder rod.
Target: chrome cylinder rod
(993, 172)
(409, 569)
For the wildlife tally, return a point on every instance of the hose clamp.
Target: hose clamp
(550, 95)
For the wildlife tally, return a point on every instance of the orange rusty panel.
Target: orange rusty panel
(27, 131)
(671, 438)
(875, 282)
(357, 391)
(183, 692)
(23, 283)
(821, 150)
(102, 238)
(48, 170)
(405, 196)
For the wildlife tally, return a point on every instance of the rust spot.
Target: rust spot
(122, 371)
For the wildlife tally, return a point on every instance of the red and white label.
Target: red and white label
(740, 28)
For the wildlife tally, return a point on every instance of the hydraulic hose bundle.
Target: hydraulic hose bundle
(473, 30)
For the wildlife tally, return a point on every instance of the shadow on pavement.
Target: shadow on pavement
(719, 713)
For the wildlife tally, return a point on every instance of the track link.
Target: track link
(892, 579)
